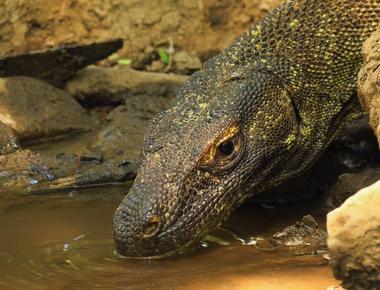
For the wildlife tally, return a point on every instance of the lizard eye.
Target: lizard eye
(224, 153)
(226, 148)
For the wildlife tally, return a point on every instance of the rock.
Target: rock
(349, 183)
(124, 134)
(97, 85)
(24, 169)
(186, 62)
(304, 235)
(57, 65)
(368, 80)
(156, 66)
(8, 140)
(34, 109)
(357, 147)
(33, 172)
(354, 240)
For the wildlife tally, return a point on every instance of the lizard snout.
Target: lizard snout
(136, 236)
(151, 228)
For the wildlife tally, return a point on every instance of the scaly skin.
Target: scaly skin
(256, 115)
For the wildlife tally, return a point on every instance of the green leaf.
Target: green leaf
(114, 56)
(124, 61)
(164, 56)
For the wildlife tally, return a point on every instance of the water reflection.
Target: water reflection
(64, 241)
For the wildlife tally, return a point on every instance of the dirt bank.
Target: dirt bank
(202, 26)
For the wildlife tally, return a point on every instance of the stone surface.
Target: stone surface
(56, 66)
(348, 184)
(186, 62)
(99, 85)
(24, 169)
(34, 109)
(124, 133)
(29, 171)
(304, 236)
(8, 140)
(369, 80)
(354, 240)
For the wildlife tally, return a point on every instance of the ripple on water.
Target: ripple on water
(67, 244)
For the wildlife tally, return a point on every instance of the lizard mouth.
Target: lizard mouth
(185, 249)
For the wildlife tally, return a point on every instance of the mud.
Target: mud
(204, 27)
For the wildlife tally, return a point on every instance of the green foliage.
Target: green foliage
(124, 61)
(164, 56)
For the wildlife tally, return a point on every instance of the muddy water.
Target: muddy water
(64, 241)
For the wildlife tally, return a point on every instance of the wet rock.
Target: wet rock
(24, 169)
(57, 65)
(97, 85)
(28, 171)
(304, 235)
(35, 109)
(368, 80)
(354, 235)
(8, 140)
(186, 62)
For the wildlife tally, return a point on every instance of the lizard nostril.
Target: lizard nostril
(151, 228)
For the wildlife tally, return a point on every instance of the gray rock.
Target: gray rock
(305, 236)
(57, 65)
(354, 240)
(33, 172)
(124, 134)
(36, 109)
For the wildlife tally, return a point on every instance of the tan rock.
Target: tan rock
(354, 240)
(369, 80)
(186, 62)
(110, 85)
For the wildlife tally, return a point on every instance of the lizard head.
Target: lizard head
(202, 159)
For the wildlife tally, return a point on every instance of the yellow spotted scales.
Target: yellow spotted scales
(256, 115)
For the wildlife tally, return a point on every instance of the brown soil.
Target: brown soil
(202, 26)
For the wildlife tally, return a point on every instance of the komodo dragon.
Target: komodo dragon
(258, 114)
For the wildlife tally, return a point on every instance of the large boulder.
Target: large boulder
(369, 80)
(354, 240)
(33, 109)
